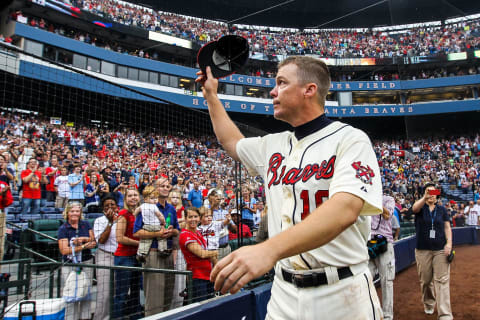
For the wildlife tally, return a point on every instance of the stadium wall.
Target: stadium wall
(39, 35)
(252, 304)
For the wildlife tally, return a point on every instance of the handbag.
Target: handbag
(377, 246)
(77, 285)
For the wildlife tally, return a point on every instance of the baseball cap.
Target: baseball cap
(225, 56)
(234, 211)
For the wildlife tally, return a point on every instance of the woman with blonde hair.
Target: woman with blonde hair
(127, 283)
(75, 241)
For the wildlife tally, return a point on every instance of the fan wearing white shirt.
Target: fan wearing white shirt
(213, 232)
(104, 230)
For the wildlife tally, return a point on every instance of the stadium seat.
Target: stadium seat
(93, 215)
(41, 244)
(55, 216)
(50, 204)
(47, 210)
(11, 217)
(29, 217)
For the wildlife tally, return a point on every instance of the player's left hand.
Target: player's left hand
(209, 83)
(242, 266)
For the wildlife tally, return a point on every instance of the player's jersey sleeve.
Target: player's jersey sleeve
(356, 171)
(251, 154)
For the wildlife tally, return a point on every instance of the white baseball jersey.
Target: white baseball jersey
(300, 175)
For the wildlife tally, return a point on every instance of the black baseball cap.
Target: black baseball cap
(225, 56)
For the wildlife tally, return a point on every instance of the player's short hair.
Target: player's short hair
(311, 70)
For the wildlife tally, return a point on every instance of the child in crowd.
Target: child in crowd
(153, 220)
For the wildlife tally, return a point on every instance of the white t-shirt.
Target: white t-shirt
(472, 218)
(61, 182)
(99, 227)
(148, 214)
(211, 233)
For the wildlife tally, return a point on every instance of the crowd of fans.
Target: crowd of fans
(98, 170)
(265, 71)
(111, 161)
(418, 41)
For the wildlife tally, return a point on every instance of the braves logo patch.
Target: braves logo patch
(364, 173)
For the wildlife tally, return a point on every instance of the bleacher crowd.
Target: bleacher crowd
(264, 71)
(416, 41)
(103, 173)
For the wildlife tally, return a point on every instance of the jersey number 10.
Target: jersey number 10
(319, 195)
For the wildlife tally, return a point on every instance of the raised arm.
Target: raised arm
(418, 205)
(225, 129)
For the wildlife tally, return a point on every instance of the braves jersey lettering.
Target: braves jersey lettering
(302, 174)
(323, 171)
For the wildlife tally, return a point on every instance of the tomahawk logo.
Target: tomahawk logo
(364, 173)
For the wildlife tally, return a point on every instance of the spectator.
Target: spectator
(103, 187)
(199, 259)
(158, 286)
(195, 197)
(249, 207)
(473, 213)
(77, 182)
(257, 217)
(52, 172)
(92, 198)
(262, 233)
(77, 233)
(178, 258)
(434, 243)
(5, 174)
(127, 283)
(153, 221)
(215, 233)
(104, 230)
(31, 178)
(385, 262)
(243, 229)
(219, 213)
(62, 187)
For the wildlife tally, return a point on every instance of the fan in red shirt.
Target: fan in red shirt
(199, 259)
(245, 230)
(31, 178)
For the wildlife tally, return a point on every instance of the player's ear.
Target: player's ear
(310, 90)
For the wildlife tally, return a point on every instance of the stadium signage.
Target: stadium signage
(335, 86)
(239, 106)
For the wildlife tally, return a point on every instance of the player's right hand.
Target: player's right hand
(209, 83)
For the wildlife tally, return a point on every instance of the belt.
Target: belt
(110, 253)
(313, 279)
(223, 245)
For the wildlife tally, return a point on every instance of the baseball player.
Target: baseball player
(322, 182)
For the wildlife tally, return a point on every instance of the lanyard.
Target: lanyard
(433, 216)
